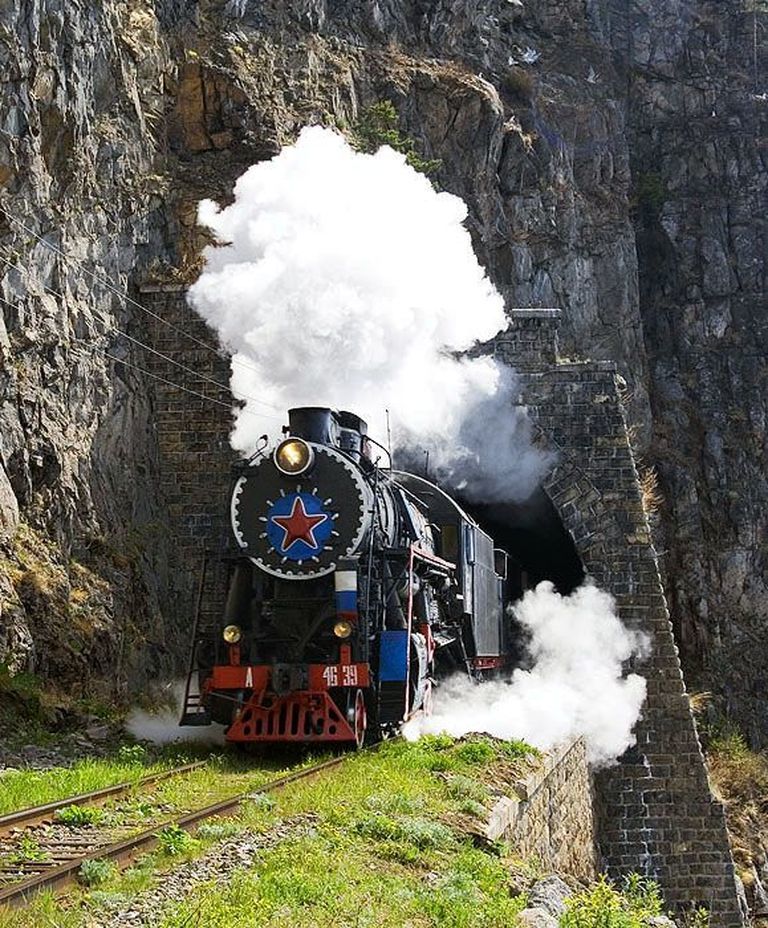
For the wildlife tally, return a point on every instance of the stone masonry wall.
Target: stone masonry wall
(550, 817)
(656, 811)
(193, 442)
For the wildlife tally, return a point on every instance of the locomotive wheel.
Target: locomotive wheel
(357, 716)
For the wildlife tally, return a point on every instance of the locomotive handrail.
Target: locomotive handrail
(430, 558)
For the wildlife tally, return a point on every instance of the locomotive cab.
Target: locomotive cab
(485, 639)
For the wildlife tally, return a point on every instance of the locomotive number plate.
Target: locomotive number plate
(332, 675)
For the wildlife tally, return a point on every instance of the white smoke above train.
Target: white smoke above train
(345, 280)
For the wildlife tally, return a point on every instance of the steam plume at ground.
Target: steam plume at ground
(162, 726)
(574, 687)
(348, 281)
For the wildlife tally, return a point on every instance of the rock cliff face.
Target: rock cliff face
(613, 159)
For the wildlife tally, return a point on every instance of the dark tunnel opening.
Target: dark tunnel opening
(534, 536)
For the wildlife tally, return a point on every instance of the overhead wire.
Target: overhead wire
(154, 376)
(122, 295)
(88, 347)
(243, 397)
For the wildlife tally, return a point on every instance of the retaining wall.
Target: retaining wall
(550, 818)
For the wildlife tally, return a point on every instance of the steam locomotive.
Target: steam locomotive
(352, 587)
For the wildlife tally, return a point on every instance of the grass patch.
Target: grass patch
(603, 905)
(22, 788)
(381, 847)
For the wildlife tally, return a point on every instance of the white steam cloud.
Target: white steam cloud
(575, 686)
(162, 726)
(346, 280)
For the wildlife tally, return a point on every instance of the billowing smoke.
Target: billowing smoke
(574, 687)
(162, 725)
(346, 280)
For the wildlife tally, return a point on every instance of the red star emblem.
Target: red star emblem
(299, 525)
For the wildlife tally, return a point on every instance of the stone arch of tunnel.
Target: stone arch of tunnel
(534, 536)
(655, 810)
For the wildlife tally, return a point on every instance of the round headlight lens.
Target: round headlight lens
(232, 634)
(342, 629)
(293, 456)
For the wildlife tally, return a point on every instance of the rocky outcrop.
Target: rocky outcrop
(613, 160)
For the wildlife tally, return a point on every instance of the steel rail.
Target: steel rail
(36, 814)
(122, 852)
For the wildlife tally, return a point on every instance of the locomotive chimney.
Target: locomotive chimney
(352, 437)
(313, 423)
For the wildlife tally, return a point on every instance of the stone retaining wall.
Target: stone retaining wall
(193, 441)
(551, 817)
(656, 813)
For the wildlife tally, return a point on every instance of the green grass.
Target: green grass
(603, 905)
(22, 788)
(379, 841)
(376, 845)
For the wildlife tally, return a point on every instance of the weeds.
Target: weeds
(419, 832)
(75, 816)
(28, 850)
(174, 841)
(459, 786)
(96, 872)
(604, 906)
(132, 754)
(650, 492)
(217, 831)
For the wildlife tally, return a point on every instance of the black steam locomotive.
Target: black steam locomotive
(352, 587)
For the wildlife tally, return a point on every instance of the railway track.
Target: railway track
(65, 852)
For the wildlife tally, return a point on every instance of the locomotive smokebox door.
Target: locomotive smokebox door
(298, 527)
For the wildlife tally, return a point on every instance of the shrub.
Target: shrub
(603, 906)
(96, 872)
(650, 192)
(79, 815)
(519, 83)
(378, 125)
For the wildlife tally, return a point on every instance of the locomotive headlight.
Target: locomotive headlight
(293, 456)
(232, 634)
(342, 629)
